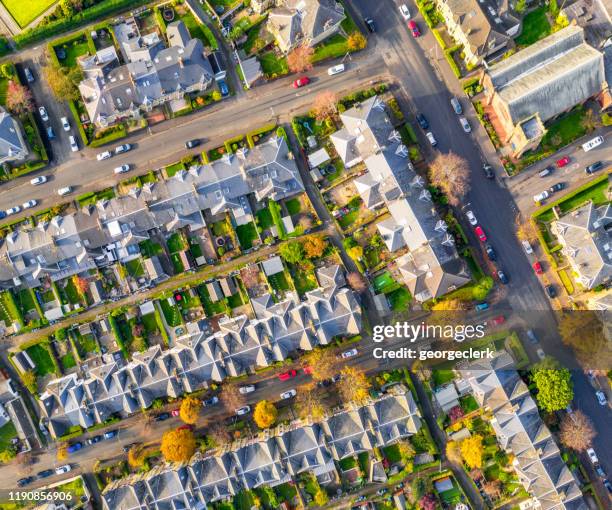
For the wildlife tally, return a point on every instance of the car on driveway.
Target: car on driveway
(532, 336)
(29, 204)
(540, 197)
(562, 162)
(556, 187)
(488, 171)
(120, 149)
(465, 124)
(43, 113)
(370, 25)
(551, 291)
(414, 29)
(591, 169)
(404, 11)
(41, 179)
(301, 82)
(60, 470)
(349, 354)
(104, 155)
(65, 124)
(190, 144)
(471, 218)
(537, 267)
(601, 398)
(502, 276)
(74, 147)
(243, 410)
(28, 74)
(422, 120)
(481, 234)
(490, 252)
(431, 138)
(13, 210)
(288, 394)
(285, 376)
(250, 388)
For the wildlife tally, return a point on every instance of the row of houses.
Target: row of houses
(431, 267)
(278, 457)
(111, 230)
(197, 358)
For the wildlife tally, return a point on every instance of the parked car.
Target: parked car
(41, 179)
(422, 120)
(74, 447)
(500, 319)
(29, 204)
(431, 138)
(175, 412)
(43, 113)
(532, 336)
(541, 354)
(563, 161)
(211, 401)
(601, 398)
(129, 446)
(60, 470)
(223, 88)
(490, 252)
(608, 485)
(349, 354)
(591, 169)
(190, 144)
(288, 394)
(2, 214)
(481, 234)
(94, 439)
(591, 144)
(13, 210)
(28, 74)
(488, 171)
(537, 267)
(503, 278)
(46, 473)
(22, 482)
(456, 106)
(382, 491)
(540, 197)
(481, 307)
(74, 147)
(110, 434)
(592, 456)
(404, 11)
(527, 247)
(250, 388)
(600, 472)
(465, 124)
(65, 124)
(120, 149)
(551, 291)
(471, 218)
(122, 169)
(556, 187)
(301, 82)
(162, 417)
(50, 133)
(64, 191)
(336, 70)
(285, 376)
(104, 155)
(547, 171)
(243, 410)
(369, 22)
(414, 29)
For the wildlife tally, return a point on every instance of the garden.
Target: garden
(397, 295)
(41, 355)
(535, 26)
(279, 282)
(171, 312)
(211, 308)
(26, 12)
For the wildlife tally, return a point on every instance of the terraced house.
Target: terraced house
(520, 430)
(278, 457)
(196, 359)
(431, 267)
(111, 230)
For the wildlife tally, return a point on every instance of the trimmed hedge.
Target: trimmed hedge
(117, 133)
(118, 337)
(160, 325)
(275, 211)
(258, 132)
(77, 119)
(228, 143)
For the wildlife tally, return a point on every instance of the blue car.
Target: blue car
(223, 88)
(110, 434)
(74, 447)
(2, 215)
(50, 133)
(482, 306)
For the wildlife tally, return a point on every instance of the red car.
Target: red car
(498, 320)
(537, 267)
(563, 161)
(414, 28)
(285, 376)
(301, 82)
(480, 233)
(175, 412)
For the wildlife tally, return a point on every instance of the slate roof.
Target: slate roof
(12, 144)
(519, 428)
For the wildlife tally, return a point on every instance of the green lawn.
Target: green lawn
(88, 343)
(8, 308)
(247, 234)
(348, 219)
(279, 282)
(73, 49)
(149, 323)
(399, 299)
(294, 206)
(42, 359)
(177, 263)
(221, 228)
(335, 46)
(235, 300)
(135, 268)
(468, 404)
(7, 432)
(244, 500)
(535, 27)
(271, 65)
(176, 243)
(194, 247)
(392, 453)
(596, 193)
(68, 361)
(441, 377)
(148, 248)
(171, 313)
(209, 307)
(303, 280)
(25, 300)
(347, 463)
(565, 130)
(451, 496)
(25, 13)
(264, 218)
(172, 169)
(384, 281)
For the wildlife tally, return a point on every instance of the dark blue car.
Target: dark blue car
(74, 447)
(223, 88)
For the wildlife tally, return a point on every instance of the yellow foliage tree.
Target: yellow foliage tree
(356, 41)
(178, 445)
(472, 450)
(62, 452)
(265, 414)
(135, 456)
(322, 363)
(190, 410)
(354, 385)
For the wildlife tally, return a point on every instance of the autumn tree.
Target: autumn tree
(231, 397)
(355, 252)
(321, 498)
(63, 81)
(354, 385)
(472, 450)
(300, 59)
(356, 41)
(451, 174)
(309, 402)
(29, 380)
(216, 95)
(292, 252)
(136, 456)
(322, 363)
(492, 488)
(190, 410)
(178, 445)
(357, 282)
(265, 414)
(18, 98)
(576, 431)
(453, 452)
(447, 311)
(583, 332)
(62, 451)
(324, 105)
(80, 284)
(554, 385)
(524, 229)
(428, 502)
(406, 450)
(219, 434)
(314, 246)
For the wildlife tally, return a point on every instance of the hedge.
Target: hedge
(439, 38)
(118, 337)
(228, 143)
(275, 211)
(77, 120)
(160, 325)
(448, 53)
(117, 133)
(567, 283)
(258, 132)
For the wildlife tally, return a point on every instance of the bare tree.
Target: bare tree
(524, 229)
(451, 174)
(309, 402)
(219, 433)
(324, 105)
(231, 397)
(357, 282)
(576, 431)
(300, 59)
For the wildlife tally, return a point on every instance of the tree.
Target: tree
(322, 362)
(472, 450)
(190, 410)
(80, 284)
(300, 59)
(135, 456)
(554, 385)
(219, 434)
(453, 452)
(356, 41)
(455, 413)
(324, 105)
(447, 311)
(493, 489)
(18, 98)
(576, 431)
(321, 498)
(355, 252)
(309, 403)
(354, 385)
(231, 397)
(357, 282)
(583, 332)
(292, 252)
(314, 246)
(451, 174)
(524, 229)
(265, 414)
(178, 445)
(420, 486)
(62, 451)
(428, 502)
(406, 450)
(63, 82)
(521, 5)
(29, 380)
(216, 95)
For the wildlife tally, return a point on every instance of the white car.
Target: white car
(41, 179)
(288, 394)
(431, 138)
(601, 398)
(60, 470)
(43, 113)
(541, 196)
(64, 191)
(247, 389)
(103, 155)
(527, 247)
(465, 124)
(350, 353)
(404, 11)
(122, 169)
(73, 144)
(243, 410)
(541, 354)
(29, 204)
(120, 149)
(591, 144)
(592, 456)
(65, 123)
(471, 218)
(336, 69)
(13, 210)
